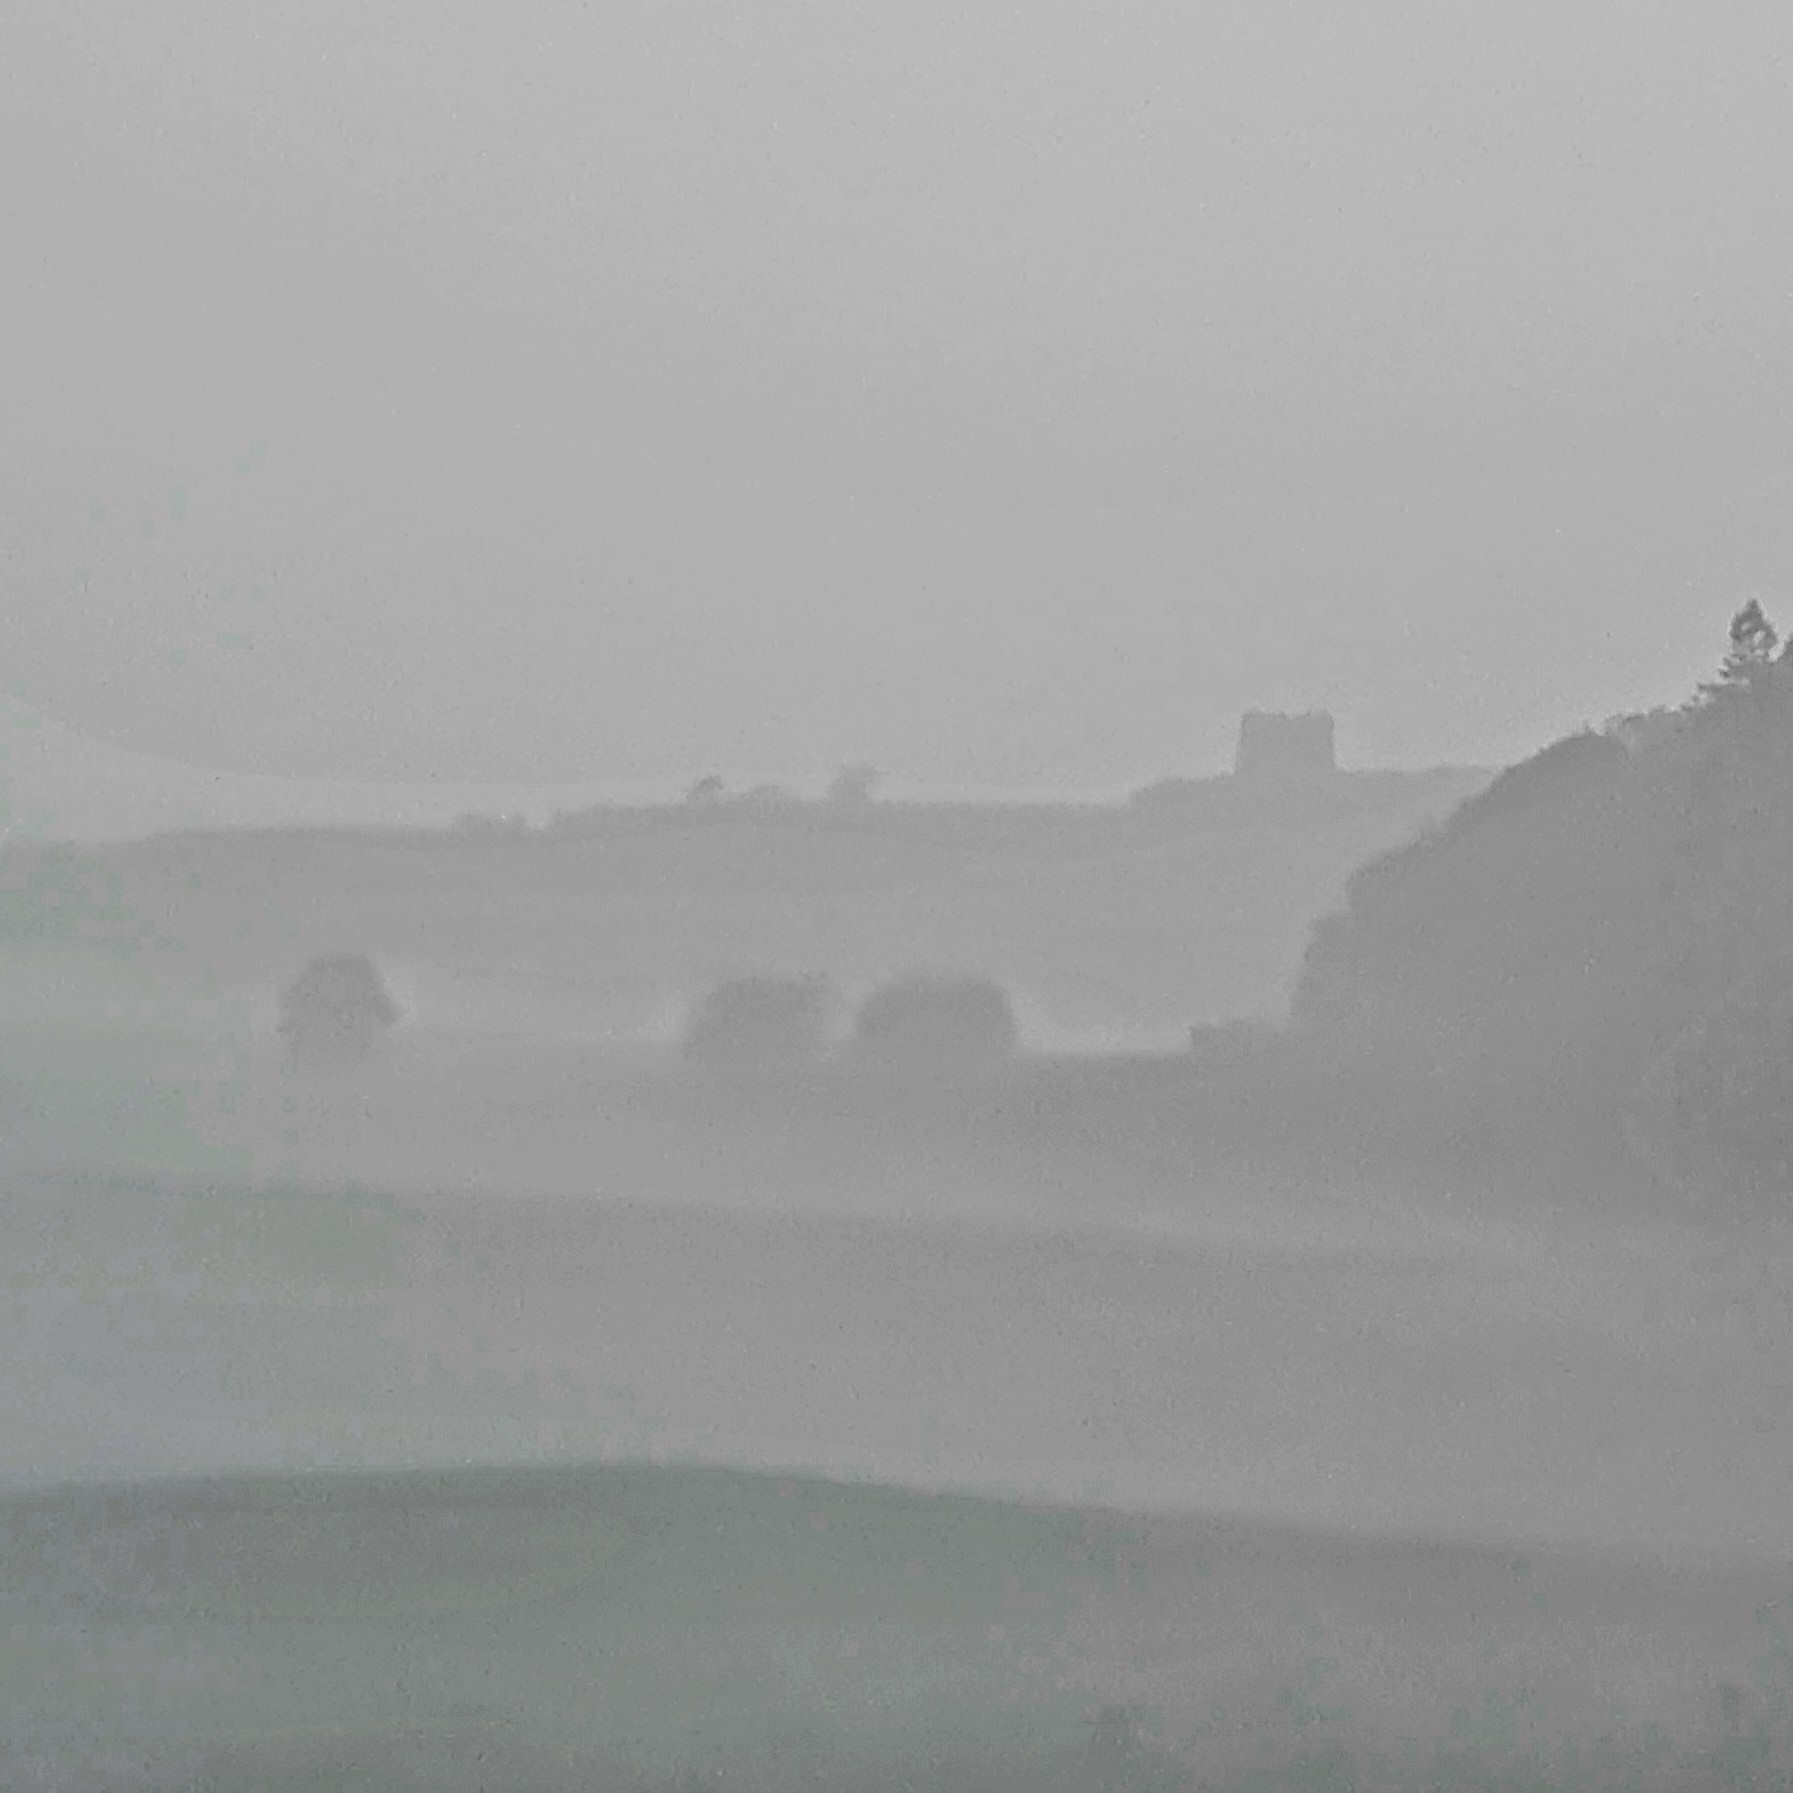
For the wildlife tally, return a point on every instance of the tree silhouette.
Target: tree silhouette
(760, 1023)
(1753, 642)
(854, 784)
(336, 1010)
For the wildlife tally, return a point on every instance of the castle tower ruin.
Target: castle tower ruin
(1273, 745)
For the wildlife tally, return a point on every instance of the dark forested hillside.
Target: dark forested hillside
(1544, 946)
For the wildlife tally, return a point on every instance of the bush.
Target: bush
(945, 1022)
(336, 1010)
(763, 1022)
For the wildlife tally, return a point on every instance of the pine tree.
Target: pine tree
(1753, 642)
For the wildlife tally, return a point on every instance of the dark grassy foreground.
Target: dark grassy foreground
(669, 1628)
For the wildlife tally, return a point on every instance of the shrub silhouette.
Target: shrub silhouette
(943, 1022)
(336, 1010)
(761, 1022)
(854, 785)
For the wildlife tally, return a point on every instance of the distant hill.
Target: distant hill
(1192, 902)
(1540, 951)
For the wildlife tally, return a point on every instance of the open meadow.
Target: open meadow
(895, 900)
(523, 1414)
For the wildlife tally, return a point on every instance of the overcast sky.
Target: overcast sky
(419, 389)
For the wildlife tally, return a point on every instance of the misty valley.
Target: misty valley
(734, 1294)
(895, 899)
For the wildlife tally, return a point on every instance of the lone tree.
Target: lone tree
(945, 1023)
(760, 1023)
(854, 784)
(1751, 655)
(336, 1010)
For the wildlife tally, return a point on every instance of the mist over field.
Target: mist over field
(669, 1311)
(895, 900)
(1284, 1469)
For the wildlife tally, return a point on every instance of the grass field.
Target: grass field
(515, 1416)
(632, 1627)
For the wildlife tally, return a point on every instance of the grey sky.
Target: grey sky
(1007, 395)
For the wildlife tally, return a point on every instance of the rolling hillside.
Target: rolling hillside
(660, 1629)
(1115, 922)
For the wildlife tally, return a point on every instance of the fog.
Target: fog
(588, 1197)
(545, 1250)
(676, 1357)
(1007, 402)
(1529, 1453)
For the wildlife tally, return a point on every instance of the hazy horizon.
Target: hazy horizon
(59, 784)
(423, 409)
(1008, 405)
